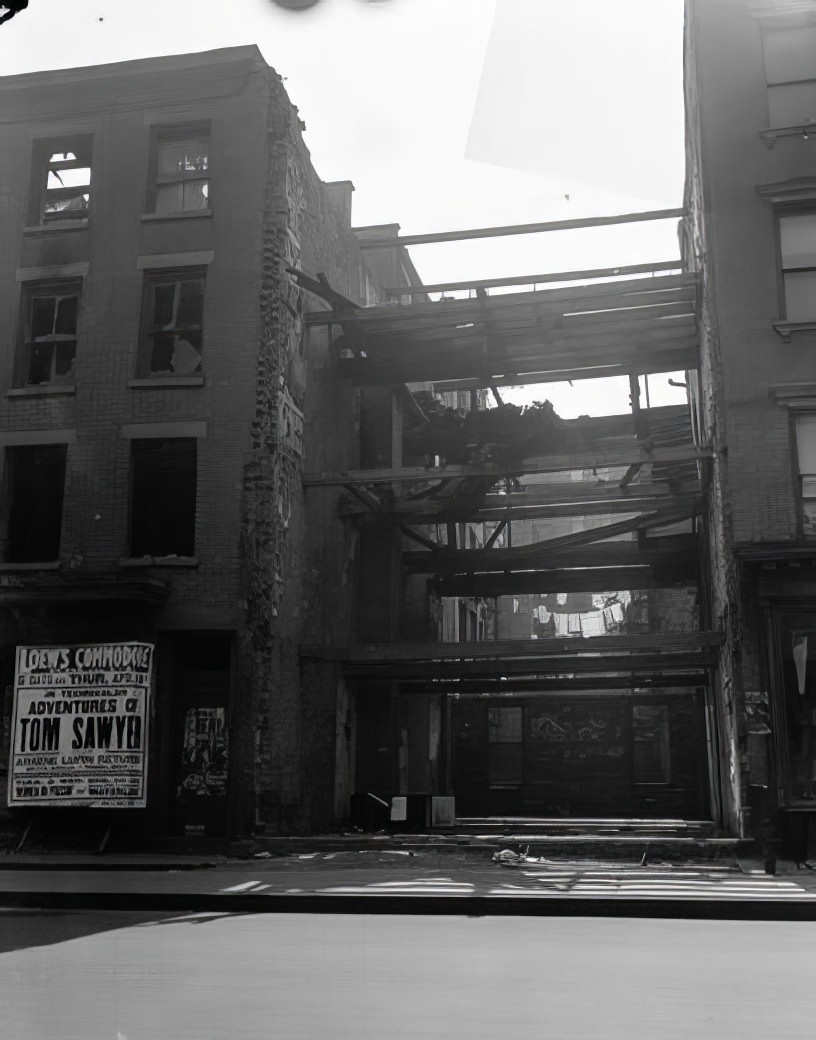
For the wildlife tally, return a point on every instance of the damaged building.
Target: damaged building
(244, 432)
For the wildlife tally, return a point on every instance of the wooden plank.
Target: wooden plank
(420, 539)
(540, 279)
(502, 649)
(622, 455)
(573, 664)
(610, 554)
(671, 574)
(518, 229)
(500, 685)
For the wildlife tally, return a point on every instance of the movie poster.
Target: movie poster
(79, 725)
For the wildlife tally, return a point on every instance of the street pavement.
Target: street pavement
(207, 976)
(408, 882)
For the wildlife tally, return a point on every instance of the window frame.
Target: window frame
(81, 146)
(798, 476)
(56, 288)
(786, 212)
(169, 134)
(148, 328)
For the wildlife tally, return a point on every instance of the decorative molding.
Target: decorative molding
(159, 260)
(799, 189)
(39, 274)
(786, 329)
(155, 430)
(165, 382)
(803, 130)
(13, 438)
(794, 395)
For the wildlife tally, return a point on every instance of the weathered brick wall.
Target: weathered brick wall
(295, 553)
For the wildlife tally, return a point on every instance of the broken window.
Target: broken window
(35, 488)
(61, 189)
(163, 497)
(181, 183)
(173, 323)
(49, 333)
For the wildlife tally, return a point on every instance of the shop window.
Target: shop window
(61, 180)
(35, 488)
(48, 334)
(797, 242)
(181, 170)
(806, 458)
(172, 323)
(505, 746)
(163, 497)
(650, 735)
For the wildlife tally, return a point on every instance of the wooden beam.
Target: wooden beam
(622, 455)
(491, 541)
(518, 229)
(420, 539)
(610, 554)
(598, 685)
(672, 573)
(574, 664)
(540, 279)
(502, 649)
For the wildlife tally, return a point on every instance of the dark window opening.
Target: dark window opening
(36, 484)
(49, 334)
(650, 736)
(163, 497)
(505, 746)
(62, 180)
(181, 178)
(173, 329)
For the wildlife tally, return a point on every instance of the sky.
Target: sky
(444, 114)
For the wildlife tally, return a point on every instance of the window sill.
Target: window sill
(44, 390)
(50, 565)
(190, 214)
(159, 561)
(56, 225)
(786, 329)
(165, 381)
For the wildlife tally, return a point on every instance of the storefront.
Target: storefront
(539, 755)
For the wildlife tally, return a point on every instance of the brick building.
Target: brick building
(751, 104)
(152, 393)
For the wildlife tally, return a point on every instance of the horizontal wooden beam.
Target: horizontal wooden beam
(680, 573)
(635, 683)
(505, 649)
(623, 455)
(538, 279)
(609, 554)
(518, 229)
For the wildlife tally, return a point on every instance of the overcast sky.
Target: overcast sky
(444, 113)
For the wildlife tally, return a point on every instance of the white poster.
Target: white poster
(79, 725)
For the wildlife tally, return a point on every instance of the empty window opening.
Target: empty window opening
(36, 484)
(650, 738)
(62, 185)
(49, 334)
(182, 182)
(163, 497)
(173, 336)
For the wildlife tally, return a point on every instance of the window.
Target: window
(505, 746)
(163, 497)
(790, 72)
(797, 238)
(650, 736)
(61, 185)
(36, 483)
(172, 329)
(181, 183)
(806, 456)
(49, 333)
